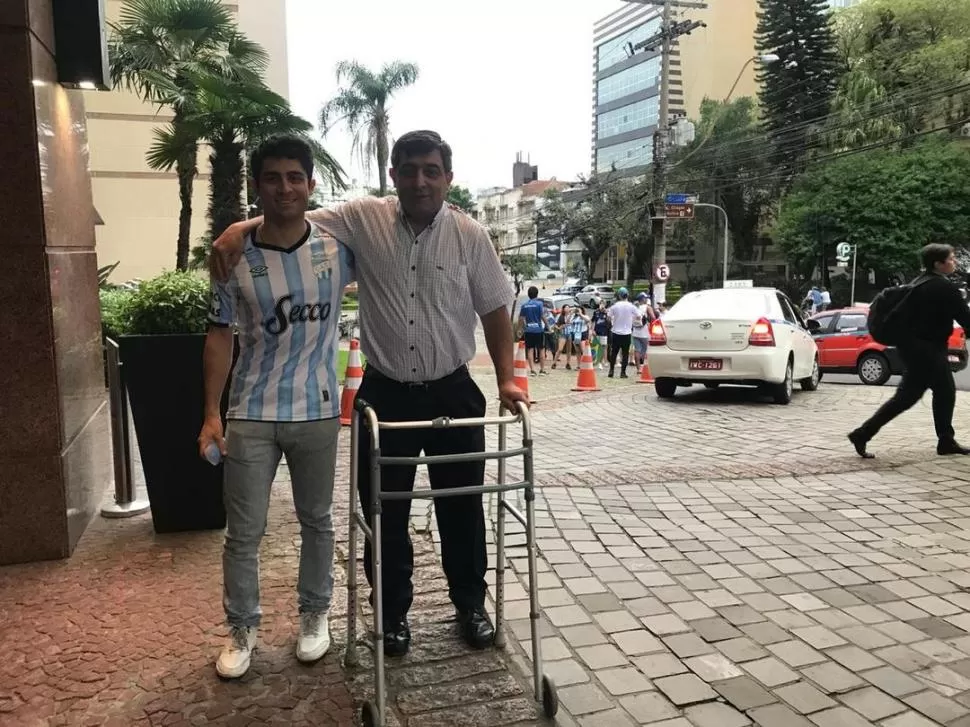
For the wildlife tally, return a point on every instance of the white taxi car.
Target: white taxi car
(747, 336)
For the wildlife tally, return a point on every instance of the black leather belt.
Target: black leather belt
(455, 376)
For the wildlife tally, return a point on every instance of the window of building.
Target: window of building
(637, 115)
(638, 78)
(615, 51)
(636, 153)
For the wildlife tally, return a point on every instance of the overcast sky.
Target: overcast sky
(497, 77)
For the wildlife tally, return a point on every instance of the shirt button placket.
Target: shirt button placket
(412, 306)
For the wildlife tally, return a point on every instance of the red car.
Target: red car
(845, 347)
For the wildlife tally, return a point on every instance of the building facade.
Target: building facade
(717, 58)
(509, 214)
(626, 90)
(138, 205)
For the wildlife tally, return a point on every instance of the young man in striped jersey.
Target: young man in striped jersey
(284, 297)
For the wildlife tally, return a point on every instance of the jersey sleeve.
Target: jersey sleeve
(222, 305)
(348, 265)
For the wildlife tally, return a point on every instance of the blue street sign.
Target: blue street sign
(677, 198)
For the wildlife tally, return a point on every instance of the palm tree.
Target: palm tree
(361, 103)
(157, 48)
(232, 116)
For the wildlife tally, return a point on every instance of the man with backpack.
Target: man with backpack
(918, 320)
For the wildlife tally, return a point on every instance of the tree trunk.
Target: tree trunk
(382, 155)
(186, 170)
(226, 185)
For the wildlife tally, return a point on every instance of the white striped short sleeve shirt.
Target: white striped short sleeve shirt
(419, 296)
(286, 304)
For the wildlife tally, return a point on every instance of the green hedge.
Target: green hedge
(171, 303)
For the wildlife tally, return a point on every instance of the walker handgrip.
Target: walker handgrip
(360, 405)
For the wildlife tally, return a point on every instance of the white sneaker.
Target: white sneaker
(237, 654)
(314, 638)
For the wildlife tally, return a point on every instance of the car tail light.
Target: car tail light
(658, 336)
(762, 334)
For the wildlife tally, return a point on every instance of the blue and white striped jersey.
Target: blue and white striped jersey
(286, 304)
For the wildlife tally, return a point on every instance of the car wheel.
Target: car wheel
(782, 393)
(665, 388)
(811, 383)
(873, 369)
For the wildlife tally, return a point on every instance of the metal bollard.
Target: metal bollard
(125, 504)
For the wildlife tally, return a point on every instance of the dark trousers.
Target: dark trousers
(461, 520)
(927, 367)
(620, 344)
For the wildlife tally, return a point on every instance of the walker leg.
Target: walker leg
(350, 655)
(378, 585)
(500, 549)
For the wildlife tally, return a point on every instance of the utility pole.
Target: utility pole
(660, 158)
(669, 31)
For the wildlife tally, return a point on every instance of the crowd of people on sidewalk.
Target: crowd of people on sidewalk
(610, 332)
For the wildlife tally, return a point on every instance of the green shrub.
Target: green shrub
(173, 302)
(115, 303)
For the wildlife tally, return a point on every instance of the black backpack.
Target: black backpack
(890, 321)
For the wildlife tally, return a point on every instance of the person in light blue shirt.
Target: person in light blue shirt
(532, 318)
(283, 296)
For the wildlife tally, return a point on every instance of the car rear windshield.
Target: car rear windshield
(721, 305)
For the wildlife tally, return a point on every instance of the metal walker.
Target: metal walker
(373, 712)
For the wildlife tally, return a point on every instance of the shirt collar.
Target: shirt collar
(402, 216)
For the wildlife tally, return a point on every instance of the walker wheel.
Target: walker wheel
(550, 699)
(368, 715)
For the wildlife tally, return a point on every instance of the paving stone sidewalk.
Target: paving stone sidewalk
(711, 561)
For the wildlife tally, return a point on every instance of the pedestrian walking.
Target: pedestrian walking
(600, 322)
(926, 315)
(532, 319)
(283, 294)
(622, 314)
(425, 269)
(641, 329)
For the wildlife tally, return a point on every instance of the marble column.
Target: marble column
(55, 448)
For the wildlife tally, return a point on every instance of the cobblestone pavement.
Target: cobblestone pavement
(709, 561)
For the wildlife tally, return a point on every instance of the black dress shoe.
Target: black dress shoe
(397, 637)
(951, 447)
(476, 628)
(859, 442)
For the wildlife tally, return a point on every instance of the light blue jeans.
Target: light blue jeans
(255, 450)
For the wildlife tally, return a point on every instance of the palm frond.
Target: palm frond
(173, 142)
(397, 75)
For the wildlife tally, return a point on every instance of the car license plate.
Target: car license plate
(705, 364)
(954, 359)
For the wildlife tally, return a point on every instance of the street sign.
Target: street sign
(738, 283)
(843, 251)
(679, 206)
(662, 273)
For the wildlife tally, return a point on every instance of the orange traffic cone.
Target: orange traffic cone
(521, 370)
(586, 381)
(645, 376)
(352, 378)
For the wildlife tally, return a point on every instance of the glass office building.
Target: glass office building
(626, 90)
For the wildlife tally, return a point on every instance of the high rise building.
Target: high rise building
(140, 206)
(626, 90)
